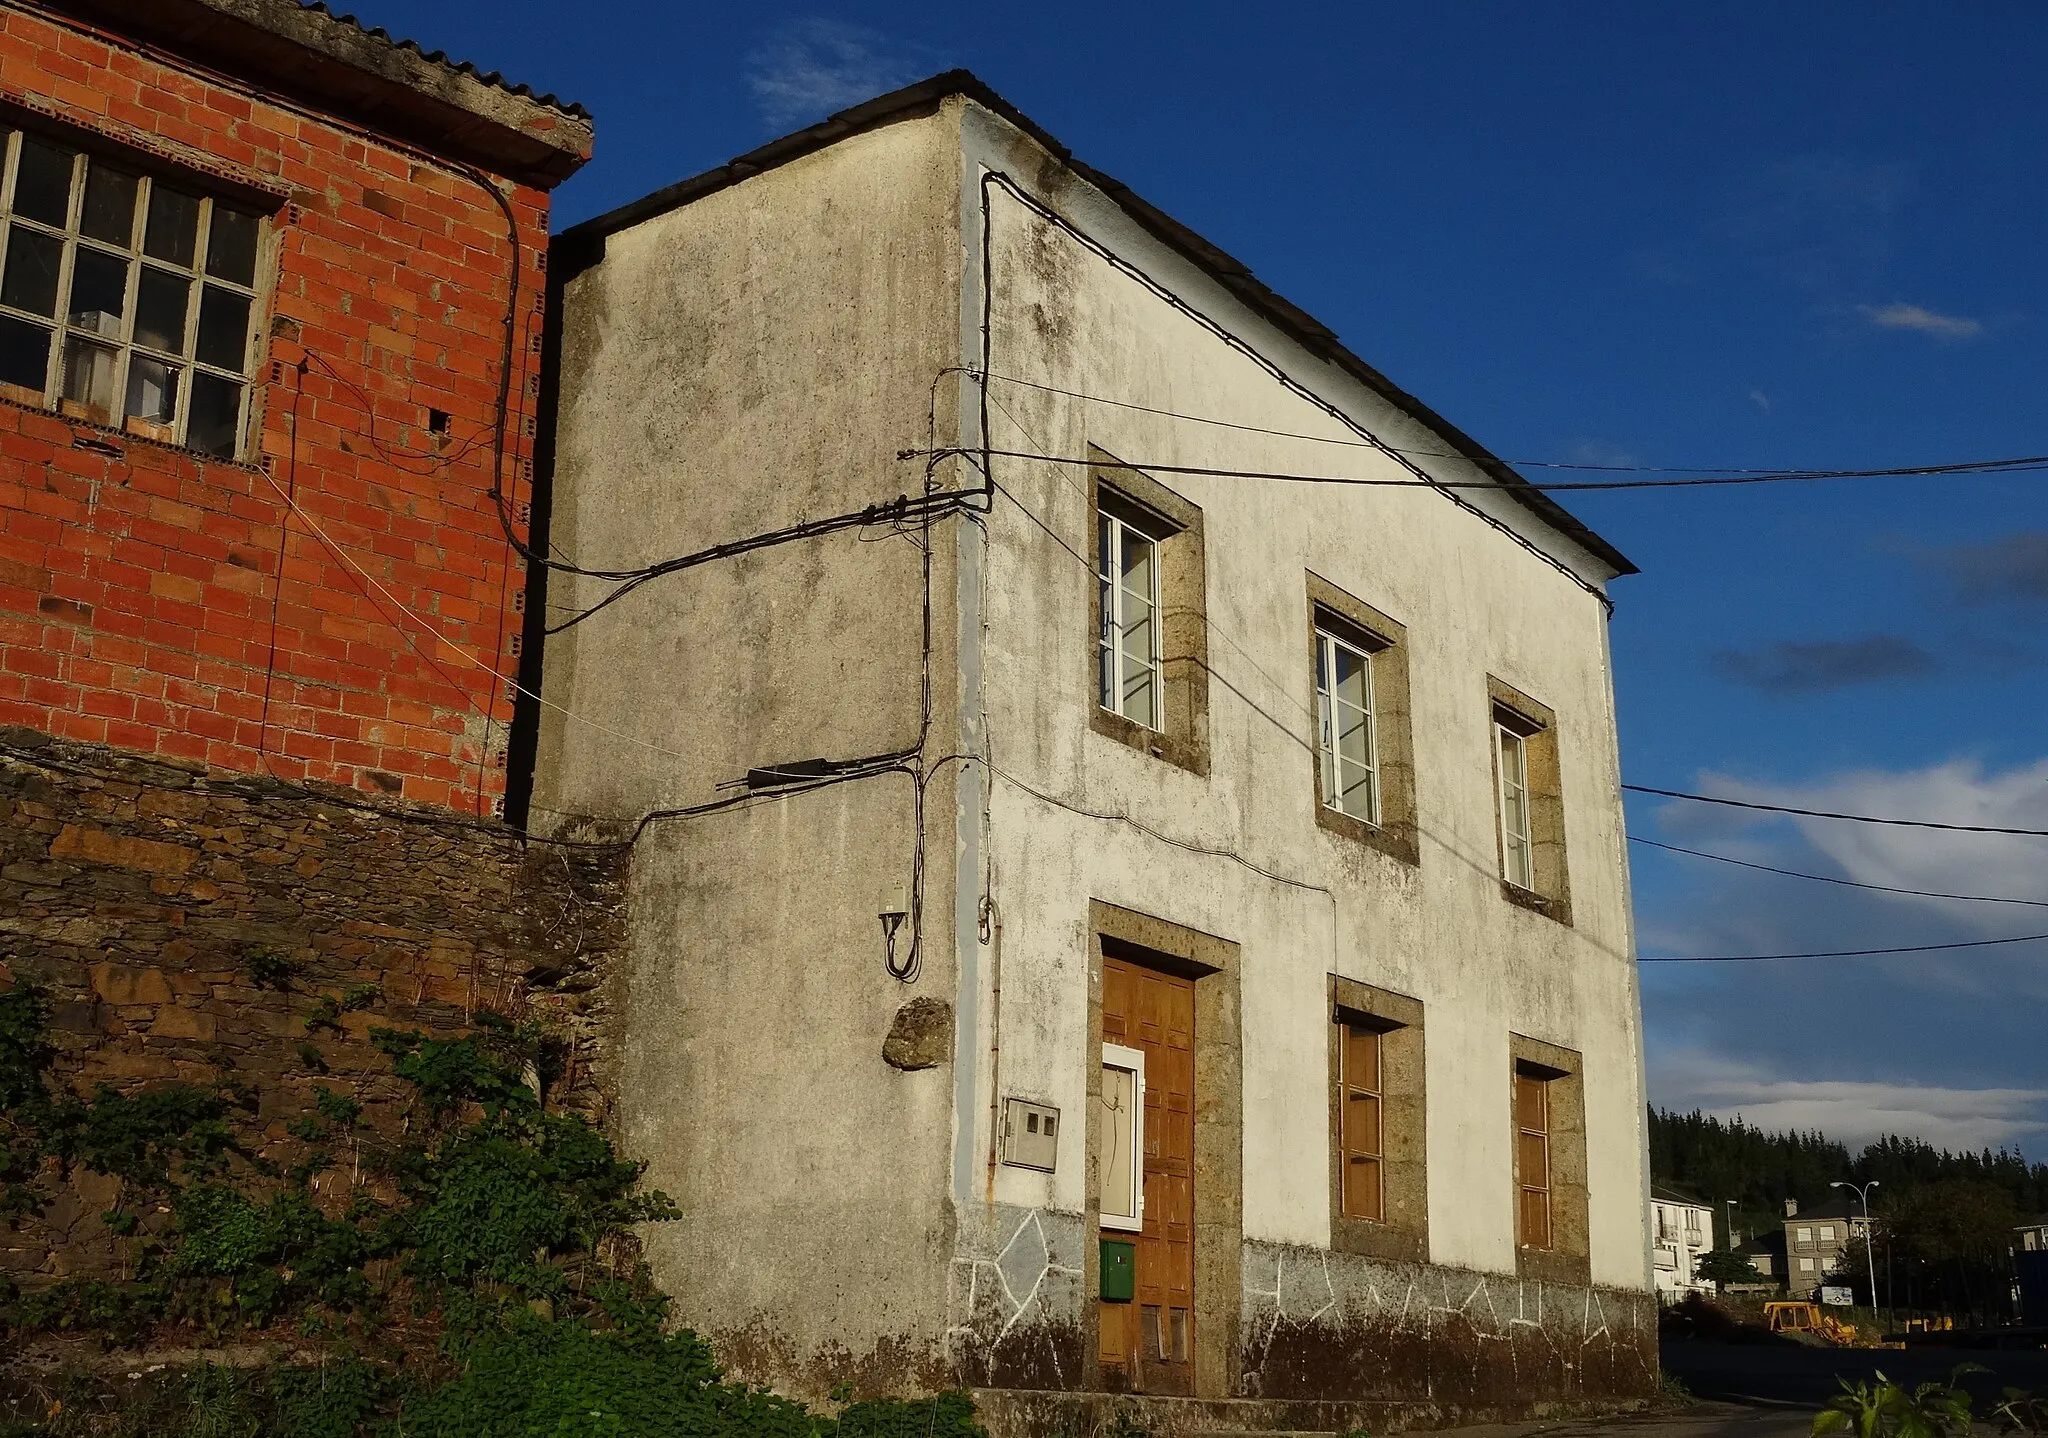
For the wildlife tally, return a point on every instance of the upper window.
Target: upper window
(1120, 1138)
(1517, 847)
(1150, 658)
(125, 299)
(1127, 569)
(1529, 800)
(1344, 720)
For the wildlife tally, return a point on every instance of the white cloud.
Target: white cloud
(1761, 400)
(810, 68)
(1923, 321)
(1602, 452)
(1957, 792)
(1853, 1112)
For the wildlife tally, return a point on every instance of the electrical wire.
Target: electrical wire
(1833, 953)
(2011, 466)
(1828, 814)
(1985, 466)
(890, 512)
(1831, 879)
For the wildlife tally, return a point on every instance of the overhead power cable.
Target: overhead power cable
(2027, 464)
(1973, 466)
(1833, 953)
(903, 509)
(1828, 814)
(1831, 879)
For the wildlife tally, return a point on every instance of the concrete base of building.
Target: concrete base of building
(1039, 1413)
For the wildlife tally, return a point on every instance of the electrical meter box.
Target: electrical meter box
(1031, 1134)
(1119, 1270)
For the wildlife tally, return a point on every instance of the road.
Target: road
(1773, 1390)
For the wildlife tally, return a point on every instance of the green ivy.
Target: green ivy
(487, 1247)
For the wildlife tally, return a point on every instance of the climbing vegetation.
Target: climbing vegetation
(472, 1278)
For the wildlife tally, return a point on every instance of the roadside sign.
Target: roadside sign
(1837, 1297)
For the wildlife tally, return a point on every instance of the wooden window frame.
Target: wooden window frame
(1361, 1132)
(1565, 1255)
(1401, 1230)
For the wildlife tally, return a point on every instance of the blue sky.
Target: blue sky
(1744, 235)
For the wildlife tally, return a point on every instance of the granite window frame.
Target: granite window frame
(1360, 625)
(1566, 1255)
(1175, 526)
(1401, 1233)
(1535, 724)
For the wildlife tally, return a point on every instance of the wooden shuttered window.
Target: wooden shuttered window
(1532, 1158)
(1361, 1118)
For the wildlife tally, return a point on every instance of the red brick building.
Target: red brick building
(270, 328)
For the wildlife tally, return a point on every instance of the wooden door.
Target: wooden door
(1148, 1344)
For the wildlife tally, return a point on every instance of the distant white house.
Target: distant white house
(1680, 1231)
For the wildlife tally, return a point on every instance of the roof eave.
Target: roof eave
(584, 240)
(387, 85)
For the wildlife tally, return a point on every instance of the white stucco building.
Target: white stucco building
(1100, 799)
(1680, 1231)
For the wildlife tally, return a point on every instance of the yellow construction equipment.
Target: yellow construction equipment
(1810, 1318)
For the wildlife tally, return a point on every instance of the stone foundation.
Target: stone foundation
(1328, 1340)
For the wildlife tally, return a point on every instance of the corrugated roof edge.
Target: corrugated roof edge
(1231, 273)
(440, 57)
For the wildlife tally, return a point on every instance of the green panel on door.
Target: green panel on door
(1119, 1270)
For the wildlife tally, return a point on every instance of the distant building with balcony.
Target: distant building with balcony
(1680, 1231)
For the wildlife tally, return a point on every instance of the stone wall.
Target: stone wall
(1347, 1340)
(150, 898)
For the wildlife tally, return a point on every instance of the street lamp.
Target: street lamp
(1731, 1224)
(1862, 1191)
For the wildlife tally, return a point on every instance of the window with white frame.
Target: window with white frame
(1120, 1138)
(1127, 568)
(126, 299)
(1344, 719)
(1517, 847)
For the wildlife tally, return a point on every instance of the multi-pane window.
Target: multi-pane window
(1517, 851)
(1532, 1158)
(125, 299)
(1344, 719)
(1127, 567)
(1361, 1120)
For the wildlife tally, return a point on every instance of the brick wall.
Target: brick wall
(137, 891)
(167, 603)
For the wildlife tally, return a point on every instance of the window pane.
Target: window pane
(160, 300)
(89, 373)
(231, 246)
(223, 329)
(215, 422)
(109, 212)
(1114, 1134)
(42, 187)
(24, 354)
(1529, 1105)
(30, 281)
(1362, 1059)
(1138, 583)
(173, 232)
(1535, 1220)
(99, 292)
(152, 390)
(1362, 1189)
(1532, 1161)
